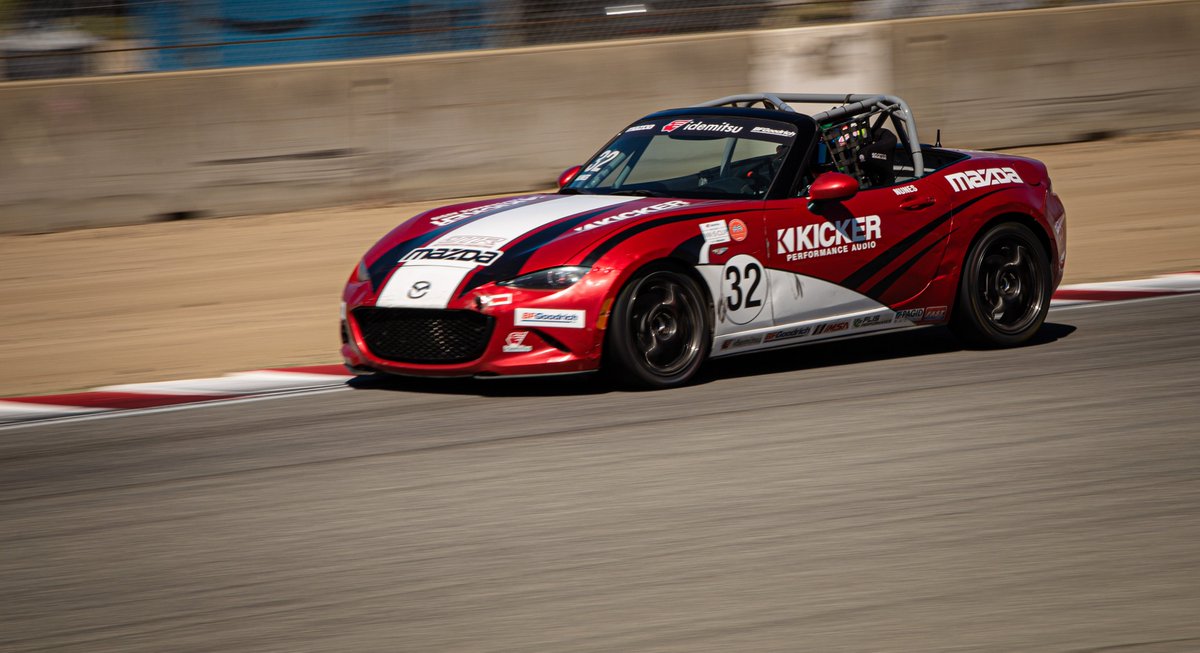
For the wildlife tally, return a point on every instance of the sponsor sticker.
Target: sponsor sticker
(715, 232)
(772, 132)
(716, 127)
(486, 242)
(935, 314)
(970, 179)
(471, 256)
(829, 238)
(905, 190)
(831, 327)
(744, 341)
(451, 218)
(872, 320)
(911, 314)
(674, 124)
(514, 342)
(636, 213)
(787, 334)
(737, 230)
(549, 317)
(640, 128)
(495, 300)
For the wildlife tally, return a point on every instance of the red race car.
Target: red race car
(734, 226)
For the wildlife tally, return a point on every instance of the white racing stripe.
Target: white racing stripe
(422, 286)
(406, 287)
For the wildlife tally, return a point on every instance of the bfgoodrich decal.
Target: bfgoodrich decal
(549, 317)
(787, 334)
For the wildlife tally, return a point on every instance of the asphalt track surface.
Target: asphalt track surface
(886, 494)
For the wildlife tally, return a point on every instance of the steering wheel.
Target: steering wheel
(757, 179)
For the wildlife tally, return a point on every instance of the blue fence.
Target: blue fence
(190, 34)
(59, 38)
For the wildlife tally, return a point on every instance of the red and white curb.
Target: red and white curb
(259, 383)
(172, 393)
(1183, 283)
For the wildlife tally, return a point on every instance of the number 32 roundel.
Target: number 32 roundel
(743, 290)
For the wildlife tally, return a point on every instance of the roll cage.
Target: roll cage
(839, 125)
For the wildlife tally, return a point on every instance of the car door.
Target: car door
(733, 260)
(878, 248)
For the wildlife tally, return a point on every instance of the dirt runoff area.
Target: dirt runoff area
(197, 298)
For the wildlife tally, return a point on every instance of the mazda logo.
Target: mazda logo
(419, 289)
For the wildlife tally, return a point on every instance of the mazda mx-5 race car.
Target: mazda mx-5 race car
(735, 226)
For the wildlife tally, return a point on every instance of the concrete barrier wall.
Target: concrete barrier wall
(996, 80)
(121, 150)
(130, 149)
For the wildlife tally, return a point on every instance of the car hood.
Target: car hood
(497, 239)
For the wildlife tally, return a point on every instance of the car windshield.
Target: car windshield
(719, 157)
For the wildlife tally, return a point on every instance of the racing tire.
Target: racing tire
(1004, 291)
(659, 333)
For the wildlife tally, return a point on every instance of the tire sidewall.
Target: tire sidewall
(969, 321)
(620, 346)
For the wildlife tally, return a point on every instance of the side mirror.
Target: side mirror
(833, 186)
(567, 175)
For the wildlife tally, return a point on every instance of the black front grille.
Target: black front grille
(414, 335)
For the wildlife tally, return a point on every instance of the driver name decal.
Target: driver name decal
(828, 238)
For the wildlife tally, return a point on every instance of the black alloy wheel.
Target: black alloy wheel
(659, 334)
(1004, 293)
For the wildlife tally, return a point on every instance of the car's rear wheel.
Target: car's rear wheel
(659, 333)
(1004, 291)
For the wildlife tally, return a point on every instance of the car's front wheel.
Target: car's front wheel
(659, 333)
(1004, 291)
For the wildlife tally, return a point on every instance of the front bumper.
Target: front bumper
(512, 342)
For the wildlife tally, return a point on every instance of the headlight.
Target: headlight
(549, 279)
(361, 274)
